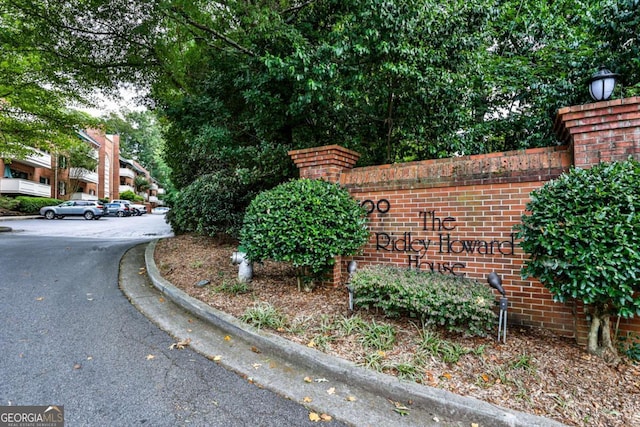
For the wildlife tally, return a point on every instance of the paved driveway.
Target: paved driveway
(69, 337)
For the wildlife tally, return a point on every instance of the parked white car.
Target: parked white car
(136, 209)
(139, 209)
(161, 210)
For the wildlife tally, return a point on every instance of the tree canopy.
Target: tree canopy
(395, 81)
(238, 84)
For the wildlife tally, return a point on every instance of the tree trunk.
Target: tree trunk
(600, 343)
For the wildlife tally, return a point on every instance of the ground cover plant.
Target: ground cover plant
(455, 303)
(535, 371)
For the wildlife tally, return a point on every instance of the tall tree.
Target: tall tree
(55, 55)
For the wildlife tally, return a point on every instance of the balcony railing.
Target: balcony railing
(38, 160)
(25, 187)
(124, 188)
(83, 196)
(128, 173)
(83, 175)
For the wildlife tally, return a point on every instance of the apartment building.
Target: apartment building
(44, 174)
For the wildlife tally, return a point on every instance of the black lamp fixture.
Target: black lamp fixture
(601, 84)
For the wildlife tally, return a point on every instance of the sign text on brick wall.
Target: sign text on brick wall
(442, 242)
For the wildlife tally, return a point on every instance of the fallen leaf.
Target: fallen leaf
(161, 299)
(142, 270)
(314, 417)
(400, 408)
(308, 380)
(150, 356)
(257, 365)
(227, 338)
(447, 375)
(485, 377)
(350, 399)
(311, 344)
(77, 366)
(307, 399)
(332, 390)
(180, 345)
(475, 425)
(217, 358)
(189, 330)
(256, 350)
(325, 417)
(398, 405)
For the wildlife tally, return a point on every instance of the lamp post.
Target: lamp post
(601, 84)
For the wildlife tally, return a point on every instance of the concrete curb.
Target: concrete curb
(449, 405)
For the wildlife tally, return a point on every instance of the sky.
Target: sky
(106, 105)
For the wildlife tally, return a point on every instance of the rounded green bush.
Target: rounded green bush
(583, 235)
(211, 205)
(583, 239)
(305, 222)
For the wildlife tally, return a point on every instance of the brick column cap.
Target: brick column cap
(327, 155)
(597, 116)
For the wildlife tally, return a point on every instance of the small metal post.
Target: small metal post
(351, 268)
(502, 322)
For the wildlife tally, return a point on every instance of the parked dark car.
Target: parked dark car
(86, 208)
(119, 209)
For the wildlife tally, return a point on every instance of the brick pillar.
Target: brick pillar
(326, 163)
(602, 131)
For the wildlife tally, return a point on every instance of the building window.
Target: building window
(92, 192)
(62, 188)
(62, 162)
(15, 173)
(45, 181)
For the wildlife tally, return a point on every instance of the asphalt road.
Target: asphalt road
(68, 336)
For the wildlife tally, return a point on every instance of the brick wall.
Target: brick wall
(456, 215)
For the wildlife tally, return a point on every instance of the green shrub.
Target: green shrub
(128, 195)
(210, 205)
(32, 205)
(306, 223)
(458, 304)
(8, 203)
(582, 236)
